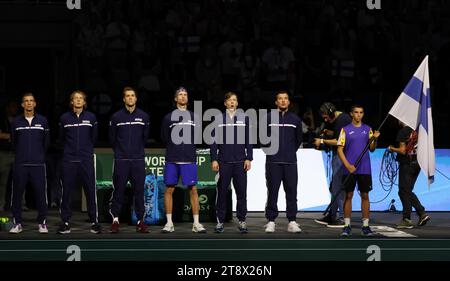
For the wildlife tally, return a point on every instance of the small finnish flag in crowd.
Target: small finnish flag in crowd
(413, 108)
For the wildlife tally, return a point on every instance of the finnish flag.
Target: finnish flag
(413, 108)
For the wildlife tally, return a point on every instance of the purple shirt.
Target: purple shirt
(354, 140)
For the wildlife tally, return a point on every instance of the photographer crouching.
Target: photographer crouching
(335, 120)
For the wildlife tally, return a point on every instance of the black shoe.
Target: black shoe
(405, 223)
(219, 228)
(337, 223)
(96, 228)
(325, 220)
(366, 231)
(64, 228)
(423, 220)
(347, 231)
(243, 227)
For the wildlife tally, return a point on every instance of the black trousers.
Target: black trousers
(275, 174)
(228, 171)
(408, 173)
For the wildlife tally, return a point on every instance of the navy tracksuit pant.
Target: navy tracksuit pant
(275, 174)
(124, 170)
(75, 172)
(226, 172)
(35, 174)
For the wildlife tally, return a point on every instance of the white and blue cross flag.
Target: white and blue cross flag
(413, 108)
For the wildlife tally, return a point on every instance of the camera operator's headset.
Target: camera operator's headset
(329, 109)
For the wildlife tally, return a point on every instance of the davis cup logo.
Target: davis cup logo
(203, 199)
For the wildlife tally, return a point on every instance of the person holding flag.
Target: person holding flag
(352, 143)
(409, 170)
(413, 108)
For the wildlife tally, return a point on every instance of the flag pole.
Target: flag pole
(335, 197)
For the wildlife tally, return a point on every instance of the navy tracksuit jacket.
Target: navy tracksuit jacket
(282, 166)
(231, 152)
(30, 143)
(185, 123)
(128, 134)
(78, 134)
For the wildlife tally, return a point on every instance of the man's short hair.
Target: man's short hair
(27, 94)
(356, 106)
(282, 92)
(72, 95)
(229, 95)
(126, 89)
(179, 90)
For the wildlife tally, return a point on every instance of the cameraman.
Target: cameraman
(310, 131)
(336, 120)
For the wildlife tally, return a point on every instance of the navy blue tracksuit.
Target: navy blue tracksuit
(231, 152)
(282, 166)
(183, 151)
(30, 142)
(79, 134)
(128, 133)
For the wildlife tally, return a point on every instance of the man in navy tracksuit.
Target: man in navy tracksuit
(78, 132)
(128, 132)
(179, 133)
(282, 166)
(232, 159)
(30, 139)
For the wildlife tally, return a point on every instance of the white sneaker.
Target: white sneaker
(17, 228)
(168, 228)
(294, 227)
(198, 228)
(270, 227)
(43, 228)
